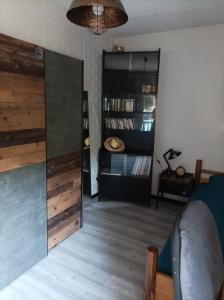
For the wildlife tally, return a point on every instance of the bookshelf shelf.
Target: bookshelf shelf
(129, 97)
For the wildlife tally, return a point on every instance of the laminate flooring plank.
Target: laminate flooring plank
(110, 263)
(150, 217)
(120, 238)
(92, 273)
(105, 260)
(9, 294)
(44, 288)
(112, 247)
(84, 288)
(135, 234)
(124, 220)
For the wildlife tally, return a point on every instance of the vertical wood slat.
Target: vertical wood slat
(150, 273)
(198, 171)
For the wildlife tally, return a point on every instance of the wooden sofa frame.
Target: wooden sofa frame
(159, 286)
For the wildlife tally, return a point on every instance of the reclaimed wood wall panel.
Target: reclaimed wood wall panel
(20, 57)
(58, 233)
(23, 223)
(63, 117)
(22, 104)
(20, 156)
(64, 196)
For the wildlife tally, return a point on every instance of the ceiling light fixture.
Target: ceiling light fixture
(97, 15)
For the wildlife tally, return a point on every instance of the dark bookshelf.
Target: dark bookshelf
(129, 98)
(86, 172)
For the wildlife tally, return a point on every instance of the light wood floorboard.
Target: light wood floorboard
(105, 260)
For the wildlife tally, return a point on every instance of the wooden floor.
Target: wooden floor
(104, 260)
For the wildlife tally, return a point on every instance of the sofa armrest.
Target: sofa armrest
(158, 286)
(150, 273)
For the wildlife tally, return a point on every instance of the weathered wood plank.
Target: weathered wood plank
(64, 215)
(58, 204)
(21, 137)
(12, 42)
(20, 59)
(64, 178)
(59, 190)
(63, 230)
(62, 164)
(13, 151)
(21, 156)
(23, 107)
(19, 88)
(25, 120)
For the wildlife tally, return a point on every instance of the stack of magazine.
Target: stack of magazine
(141, 166)
(119, 105)
(128, 124)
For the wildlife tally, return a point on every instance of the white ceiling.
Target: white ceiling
(149, 16)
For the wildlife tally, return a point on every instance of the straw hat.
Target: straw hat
(87, 142)
(114, 144)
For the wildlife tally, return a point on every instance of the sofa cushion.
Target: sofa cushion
(213, 195)
(197, 260)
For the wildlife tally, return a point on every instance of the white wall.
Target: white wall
(190, 114)
(44, 22)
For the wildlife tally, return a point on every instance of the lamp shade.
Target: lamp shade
(98, 15)
(170, 155)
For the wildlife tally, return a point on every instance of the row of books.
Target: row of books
(128, 124)
(85, 123)
(141, 166)
(119, 105)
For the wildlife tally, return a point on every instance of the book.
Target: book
(118, 123)
(142, 166)
(119, 105)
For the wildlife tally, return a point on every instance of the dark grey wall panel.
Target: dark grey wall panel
(23, 222)
(63, 81)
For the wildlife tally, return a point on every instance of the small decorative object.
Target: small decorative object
(97, 15)
(170, 155)
(180, 171)
(87, 142)
(114, 144)
(118, 48)
(38, 53)
(146, 88)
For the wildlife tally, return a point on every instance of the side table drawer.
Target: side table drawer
(171, 183)
(177, 187)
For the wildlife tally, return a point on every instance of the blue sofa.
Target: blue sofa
(213, 195)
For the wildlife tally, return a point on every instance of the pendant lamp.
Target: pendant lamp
(97, 15)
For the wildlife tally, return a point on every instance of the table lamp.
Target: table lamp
(170, 155)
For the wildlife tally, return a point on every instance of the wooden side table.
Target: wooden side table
(171, 183)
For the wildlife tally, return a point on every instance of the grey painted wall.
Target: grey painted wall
(64, 76)
(23, 222)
